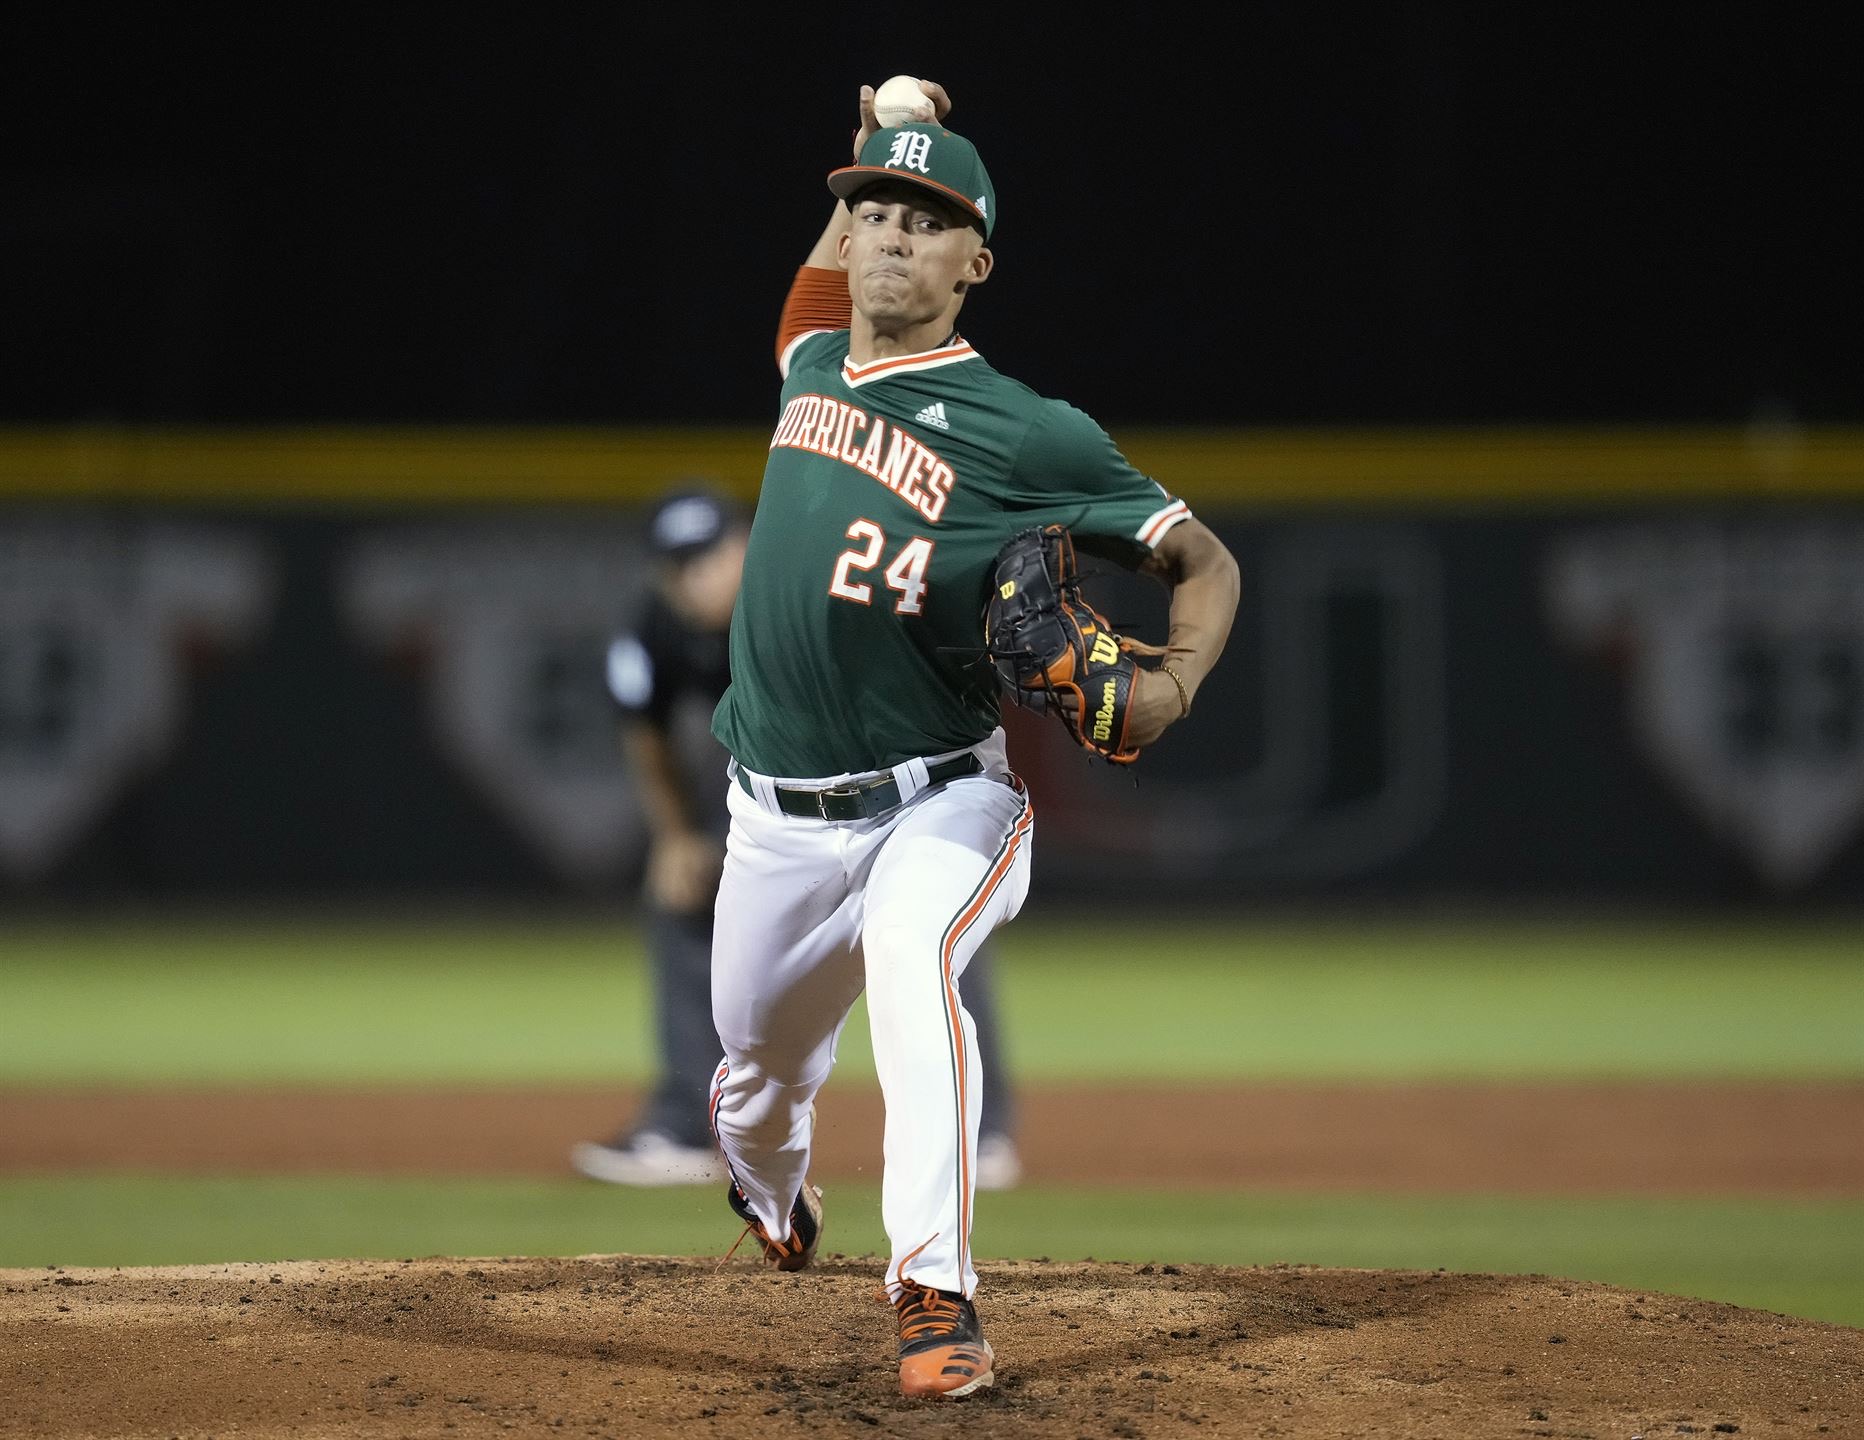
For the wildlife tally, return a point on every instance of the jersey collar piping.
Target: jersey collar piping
(950, 353)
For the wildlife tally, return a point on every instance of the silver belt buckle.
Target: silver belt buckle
(821, 797)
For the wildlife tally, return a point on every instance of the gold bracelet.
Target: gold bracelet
(1184, 699)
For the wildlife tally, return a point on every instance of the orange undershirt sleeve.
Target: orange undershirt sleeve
(818, 300)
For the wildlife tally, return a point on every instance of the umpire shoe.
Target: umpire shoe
(943, 1351)
(799, 1248)
(648, 1157)
(999, 1167)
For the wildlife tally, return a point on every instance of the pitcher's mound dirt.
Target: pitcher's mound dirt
(624, 1346)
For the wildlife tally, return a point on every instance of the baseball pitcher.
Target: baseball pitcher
(910, 562)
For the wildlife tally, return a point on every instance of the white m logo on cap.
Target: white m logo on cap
(911, 150)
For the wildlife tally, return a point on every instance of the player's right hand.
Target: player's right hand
(935, 92)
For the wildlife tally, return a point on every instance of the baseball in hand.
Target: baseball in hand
(900, 102)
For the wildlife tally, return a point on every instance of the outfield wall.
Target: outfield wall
(1614, 666)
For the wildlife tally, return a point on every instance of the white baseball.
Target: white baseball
(900, 102)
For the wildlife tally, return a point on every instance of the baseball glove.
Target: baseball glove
(1051, 647)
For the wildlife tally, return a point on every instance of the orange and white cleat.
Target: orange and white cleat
(943, 1351)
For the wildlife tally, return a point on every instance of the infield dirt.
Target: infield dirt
(613, 1345)
(621, 1346)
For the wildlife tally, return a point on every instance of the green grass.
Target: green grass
(1795, 1258)
(358, 1003)
(355, 1003)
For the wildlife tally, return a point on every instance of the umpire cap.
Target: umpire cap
(690, 521)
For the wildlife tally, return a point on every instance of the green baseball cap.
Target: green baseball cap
(928, 155)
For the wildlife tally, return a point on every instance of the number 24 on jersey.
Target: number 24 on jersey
(907, 573)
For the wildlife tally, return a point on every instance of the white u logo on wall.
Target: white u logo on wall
(98, 619)
(1743, 653)
(511, 622)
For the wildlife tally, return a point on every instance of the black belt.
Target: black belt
(863, 801)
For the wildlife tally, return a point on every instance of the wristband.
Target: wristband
(1184, 698)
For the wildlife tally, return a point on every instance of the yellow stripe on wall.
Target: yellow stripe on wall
(1217, 467)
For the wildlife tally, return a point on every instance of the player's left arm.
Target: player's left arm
(1205, 584)
(1069, 470)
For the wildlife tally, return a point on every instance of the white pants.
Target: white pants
(809, 913)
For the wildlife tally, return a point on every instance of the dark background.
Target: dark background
(1295, 214)
(1311, 216)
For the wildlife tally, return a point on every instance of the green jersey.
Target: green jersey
(856, 641)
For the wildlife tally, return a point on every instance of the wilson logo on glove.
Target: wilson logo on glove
(1103, 717)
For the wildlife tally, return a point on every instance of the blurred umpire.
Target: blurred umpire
(666, 675)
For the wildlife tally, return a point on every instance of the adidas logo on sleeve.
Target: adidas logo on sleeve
(934, 414)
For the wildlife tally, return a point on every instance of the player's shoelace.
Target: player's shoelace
(774, 1250)
(930, 1315)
